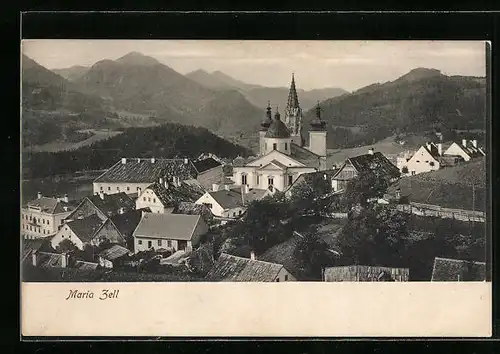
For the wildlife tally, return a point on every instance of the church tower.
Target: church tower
(264, 126)
(317, 137)
(293, 115)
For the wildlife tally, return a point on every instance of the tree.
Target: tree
(313, 255)
(404, 170)
(308, 197)
(365, 187)
(66, 245)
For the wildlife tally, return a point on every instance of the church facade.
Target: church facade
(283, 156)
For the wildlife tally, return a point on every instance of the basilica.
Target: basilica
(283, 156)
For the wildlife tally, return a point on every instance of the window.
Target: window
(290, 180)
(286, 146)
(128, 188)
(277, 280)
(412, 173)
(118, 189)
(239, 213)
(69, 236)
(243, 179)
(48, 222)
(270, 181)
(275, 146)
(265, 146)
(169, 243)
(418, 160)
(30, 217)
(31, 228)
(109, 188)
(22, 226)
(150, 244)
(139, 242)
(138, 189)
(43, 221)
(149, 200)
(101, 188)
(258, 179)
(286, 277)
(154, 200)
(144, 198)
(159, 242)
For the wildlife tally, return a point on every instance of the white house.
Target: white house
(467, 150)
(428, 157)
(169, 231)
(283, 156)
(79, 231)
(226, 203)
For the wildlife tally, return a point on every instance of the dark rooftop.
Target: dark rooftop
(228, 199)
(206, 164)
(85, 228)
(446, 269)
(376, 161)
(112, 203)
(174, 194)
(128, 221)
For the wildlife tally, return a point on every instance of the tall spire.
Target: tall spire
(293, 99)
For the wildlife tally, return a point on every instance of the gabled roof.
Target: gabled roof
(128, 221)
(188, 208)
(206, 164)
(446, 269)
(136, 170)
(85, 228)
(311, 177)
(167, 226)
(232, 268)
(304, 156)
(470, 150)
(371, 162)
(276, 155)
(114, 252)
(227, 199)
(112, 203)
(276, 163)
(50, 205)
(171, 195)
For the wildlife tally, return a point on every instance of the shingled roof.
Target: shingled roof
(174, 194)
(85, 228)
(128, 221)
(167, 226)
(112, 203)
(136, 170)
(357, 273)
(446, 269)
(206, 164)
(277, 129)
(228, 199)
(233, 268)
(50, 205)
(188, 208)
(114, 252)
(376, 161)
(304, 156)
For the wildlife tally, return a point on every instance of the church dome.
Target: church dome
(277, 129)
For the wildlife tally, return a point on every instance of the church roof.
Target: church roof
(277, 129)
(293, 98)
(268, 120)
(318, 124)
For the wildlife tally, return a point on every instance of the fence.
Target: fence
(357, 273)
(449, 213)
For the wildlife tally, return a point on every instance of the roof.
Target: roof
(254, 194)
(228, 199)
(50, 205)
(276, 163)
(312, 177)
(112, 203)
(188, 208)
(114, 252)
(82, 265)
(470, 150)
(277, 129)
(446, 269)
(85, 228)
(167, 226)
(233, 268)
(241, 161)
(206, 164)
(283, 253)
(30, 245)
(49, 260)
(128, 221)
(365, 273)
(376, 161)
(304, 156)
(145, 171)
(171, 195)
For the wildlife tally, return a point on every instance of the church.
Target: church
(283, 156)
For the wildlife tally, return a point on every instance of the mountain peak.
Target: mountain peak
(419, 73)
(136, 58)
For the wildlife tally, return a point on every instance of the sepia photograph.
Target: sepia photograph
(167, 161)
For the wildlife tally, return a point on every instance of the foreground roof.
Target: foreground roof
(365, 273)
(137, 170)
(233, 268)
(114, 252)
(188, 208)
(167, 226)
(85, 228)
(446, 269)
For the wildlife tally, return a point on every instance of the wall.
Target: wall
(66, 233)
(47, 224)
(421, 162)
(455, 149)
(141, 244)
(200, 230)
(149, 199)
(209, 177)
(282, 273)
(317, 142)
(233, 213)
(112, 188)
(216, 209)
(282, 145)
(108, 231)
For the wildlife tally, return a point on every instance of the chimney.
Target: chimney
(215, 187)
(161, 180)
(325, 177)
(39, 195)
(34, 257)
(464, 142)
(226, 187)
(474, 143)
(121, 210)
(370, 151)
(252, 255)
(138, 159)
(101, 195)
(440, 149)
(124, 160)
(165, 183)
(65, 198)
(153, 160)
(428, 145)
(186, 161)
(64, 260)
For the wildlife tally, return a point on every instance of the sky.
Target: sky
(316, 64)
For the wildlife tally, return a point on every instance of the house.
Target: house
(310, 179)
(224, 203)
(169, 231)
(133, 175)
(357, 273)
(79, 231)
(163, 195)
(236, 269)
(429, 157)
(43, 216)
(103, 205)
(467, 150)
(113, 256)
(188, 208)
(371, 162)
(446, 269)
(209, 171)
(283, 157)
